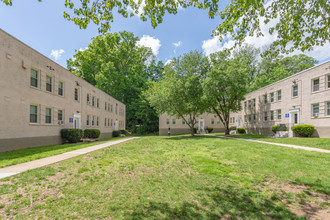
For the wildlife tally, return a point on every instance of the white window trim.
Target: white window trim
(51, 115)
(62, 88)
(38, 75)
(293, 91)
(312, 86)
(318, 114)
(52, 83)
(38, 114)
(74, 98)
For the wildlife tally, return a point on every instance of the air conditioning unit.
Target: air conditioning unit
(315, 115)
(60, 122)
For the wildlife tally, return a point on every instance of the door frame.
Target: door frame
(292, 112)
(199, 124)
(76, 118)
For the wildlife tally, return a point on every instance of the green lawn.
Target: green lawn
(29, 154)
(173, 178)
(323, 143)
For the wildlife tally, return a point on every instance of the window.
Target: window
(93, 101)
(250, 118)
(109, 107)
(265, 99)
(212, 121)
(105, 106)
(34, 79)
(60, 88)
(245, 118)
(279, 95)
(328, 81)
(88, 99)
(93, 120)
(97, 120)
(328, 108)
(109, 122)
(233, 119)
(167, 121)
(173, 121)
(265, 116)
(48, 115)
(316, 84)
(254, 118)
(116, 108)
(49, 81)
(76, 94)
(272, 115)
(316, 109)
(279, 114)
(105, 122)
(249, 103)
(33, 114)
(272, 97)
(254, 102)
(98, 102)
(60, 116)
(295, 90)
(183, 122)
(245, 104)
(87, 120)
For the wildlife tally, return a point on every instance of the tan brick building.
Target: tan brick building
(39, 97)
(303, 98)
(178, 126)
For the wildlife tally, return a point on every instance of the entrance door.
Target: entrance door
(116, 125)
(76, 120)
(201, 125)
(239, 121)
(294, 118)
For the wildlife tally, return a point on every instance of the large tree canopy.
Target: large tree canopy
(298, 24)
(118, 66)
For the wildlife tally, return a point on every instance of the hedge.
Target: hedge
(125, 132)
(73, 135)
(232, 128)
(303, 130)
(209, 130)
(92, 133)
(116, 133)
(241, 130)
(276, 128)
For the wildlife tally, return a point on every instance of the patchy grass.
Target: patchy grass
(34, 153)
(323, 143)
(175, 178)
(248, 136)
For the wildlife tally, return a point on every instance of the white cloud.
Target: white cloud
(148, 41)
(83, 49)
(176, 45)
(211, 45)
(167, 62)
(56, 54)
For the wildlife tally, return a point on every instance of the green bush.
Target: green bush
(241, 130)
(209, 130)
(92, 133)
(275, 128)
(283, 128)
(303, 130)
(125, 132)
(73, 135)
(116, 133)
(232, 128)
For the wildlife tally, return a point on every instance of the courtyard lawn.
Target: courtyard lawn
(323, 143)
(34, 153)
(175, 178)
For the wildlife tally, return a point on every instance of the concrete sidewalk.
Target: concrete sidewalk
(19, 168)
(283, 145)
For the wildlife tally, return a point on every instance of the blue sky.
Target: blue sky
(42, 26)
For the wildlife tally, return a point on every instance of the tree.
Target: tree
(274, 69)
(179, 93)
(226, 84)
(299, 24)
(115, 64)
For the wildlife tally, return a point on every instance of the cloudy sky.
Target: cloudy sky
(42, 26)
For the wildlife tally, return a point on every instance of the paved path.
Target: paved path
(283, 145)
(19, 168)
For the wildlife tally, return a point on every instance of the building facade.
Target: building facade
(178, 126)
(303, 98)
(38, 98)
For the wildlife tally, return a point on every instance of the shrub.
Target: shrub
(125, 132)
(275, 128)
(116, 133)
(303, 130)
(283, 128)
(209, 130)
(232, 128)
(73, 135)
(241, 130)
(92, 133)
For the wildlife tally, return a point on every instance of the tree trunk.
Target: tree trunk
(227, 129)
(192, 132)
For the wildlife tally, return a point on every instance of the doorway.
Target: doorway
(76, 120)
(201, 125)
(294, 119)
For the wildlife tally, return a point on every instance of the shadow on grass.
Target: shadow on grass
(188, 137)
(215, 203)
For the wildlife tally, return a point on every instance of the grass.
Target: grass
(30, 154)
(322, 143)
(171, 178)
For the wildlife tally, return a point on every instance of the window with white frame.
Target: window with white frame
(60, 88)
(97, 120)
(105, 122)
(295, 90)
(87, 120)
(105, 106)
(60, 116)
(93, 101)
(316, 84)
(316, 109)
(48, 116)
(76, 94)
(250, 118)
(98, 102)
(245, 104)
(88, 99)
(328, 108)
(272, 115)
(265, 116)
(254, 118)
(249, 103)
(167, 121)
(254, 102)
(279, 95)
(109, 122)
(279, 114)
(33, 114)
(265, 99)
(109, 107)
(173, 121)
(34, 78)
(49, 83)
(212, 121)
(93, 120)
(328, 81)
(272, 97)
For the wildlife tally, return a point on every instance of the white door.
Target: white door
(76, 120)
(294, 119)
(116, 125)
(201, 125)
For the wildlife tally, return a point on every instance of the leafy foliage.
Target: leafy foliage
(241, 130)
(209, 130)
(73, 135)
(303, 130)
(116, 133)
(92, 133)
(118, 66)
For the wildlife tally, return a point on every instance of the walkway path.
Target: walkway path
(19, 168)
(283, 145)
